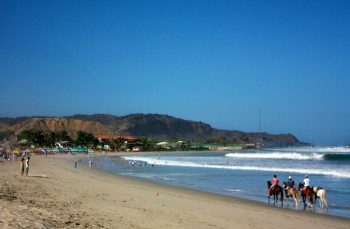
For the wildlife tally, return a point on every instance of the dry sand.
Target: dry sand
(55, 195)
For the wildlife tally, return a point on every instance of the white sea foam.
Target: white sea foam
(316, 149)
(321, 171)
(168, 179)
(277, 155)
(335, 173)
(233, 190)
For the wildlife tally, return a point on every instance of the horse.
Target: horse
(275, 191)
(291, 192)
(306, 193)
(320, 193)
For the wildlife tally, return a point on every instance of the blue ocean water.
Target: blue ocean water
(244, 173)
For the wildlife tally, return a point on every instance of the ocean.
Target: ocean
(244, 173)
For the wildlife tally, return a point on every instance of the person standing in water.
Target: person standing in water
(27, 165)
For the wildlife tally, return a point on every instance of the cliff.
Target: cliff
(48, 124)
(161, 127)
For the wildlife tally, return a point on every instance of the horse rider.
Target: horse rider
(290, 183)
(306, 181)
(274, 182)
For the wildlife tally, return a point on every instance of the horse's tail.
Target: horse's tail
(297, 197)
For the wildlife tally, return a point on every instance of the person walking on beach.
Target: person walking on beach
(22, 165)
(27, 165)
(75, 164)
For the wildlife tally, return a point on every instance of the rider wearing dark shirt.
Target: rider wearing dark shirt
(290, 183)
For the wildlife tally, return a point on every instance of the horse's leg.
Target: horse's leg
(282, 197)
(269, 195)
(276, 195)
(304, 199)
(295, 199)
(311, 200)
(325, 200)
(319, 196)
(316, 199)
(297, 196)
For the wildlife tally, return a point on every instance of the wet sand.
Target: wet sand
(56, 195)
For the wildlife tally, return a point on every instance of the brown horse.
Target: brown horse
(306, 192)
(291, 192)
(275, 191)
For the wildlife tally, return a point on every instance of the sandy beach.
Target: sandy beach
(56, 195)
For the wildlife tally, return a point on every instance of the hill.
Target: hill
(161, 127)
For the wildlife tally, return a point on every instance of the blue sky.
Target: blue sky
(219, 62)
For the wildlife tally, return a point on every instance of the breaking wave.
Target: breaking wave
(336, 157)
(293, 156)
(277, 155)
(321, 171)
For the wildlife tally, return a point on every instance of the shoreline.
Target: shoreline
(57, 195)
(241, 195)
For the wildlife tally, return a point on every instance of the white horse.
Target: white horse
(320, 193)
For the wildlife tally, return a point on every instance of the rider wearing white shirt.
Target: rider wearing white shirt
(306, 181)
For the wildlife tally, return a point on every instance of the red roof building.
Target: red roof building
(110, 137)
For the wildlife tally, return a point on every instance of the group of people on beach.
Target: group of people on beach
(290, 182)
(24, 163)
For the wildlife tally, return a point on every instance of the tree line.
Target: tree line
(38, 138)
(41, 139)
(48, 139)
